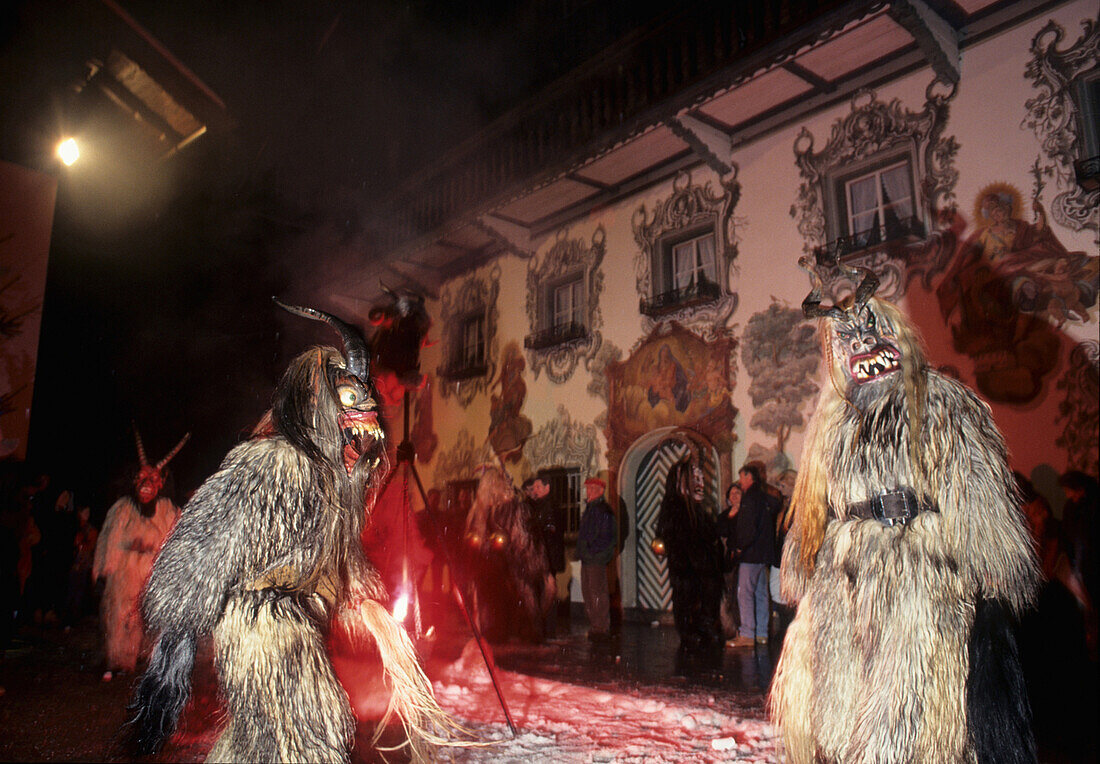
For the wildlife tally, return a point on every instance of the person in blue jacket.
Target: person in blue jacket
(595, 549)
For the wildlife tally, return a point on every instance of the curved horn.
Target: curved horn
(140, 447)
(355, 347)
(811, 306)
(164, 462)
(865, 278)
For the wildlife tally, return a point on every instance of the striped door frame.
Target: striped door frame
(645, 577)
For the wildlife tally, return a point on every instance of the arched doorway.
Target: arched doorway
(645, 467)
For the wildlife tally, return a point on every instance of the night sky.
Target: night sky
(158, 306)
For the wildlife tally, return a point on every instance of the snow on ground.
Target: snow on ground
(560, 722)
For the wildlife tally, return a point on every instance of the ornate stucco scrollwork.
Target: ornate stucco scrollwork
(874, 127)
(691, 205)
(1054, 116)
(475, 294)
(562, 442)
(461, 460)
(565, 258)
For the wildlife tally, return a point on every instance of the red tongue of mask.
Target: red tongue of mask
(351, 456)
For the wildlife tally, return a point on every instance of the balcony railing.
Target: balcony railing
(1088, 173)
(895, 230)
(594, 102)
(555, 335)
(460, 370)
(696, 293)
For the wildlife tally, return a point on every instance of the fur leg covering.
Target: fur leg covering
(427, 726)
(162, 692)
(1000, 716)
(283, 698)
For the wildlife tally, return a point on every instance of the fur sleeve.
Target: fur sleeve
(107, 548)
(217, 539)
(969, 474)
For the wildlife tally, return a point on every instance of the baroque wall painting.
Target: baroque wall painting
(689, 206)
(563, 442)
(1054, 115)
(872, 128)
(508, 427)
(474, 295)
(599, 386)
(460, 461)
(1011, 284)
(673, 378)
(1080, 410)
(781, 354)
(566, 257)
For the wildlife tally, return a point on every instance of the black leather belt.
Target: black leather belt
(891, 508)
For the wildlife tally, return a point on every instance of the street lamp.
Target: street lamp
(68, 151)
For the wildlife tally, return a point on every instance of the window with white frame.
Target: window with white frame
(568, 304)
(875, 203)
(692, 262)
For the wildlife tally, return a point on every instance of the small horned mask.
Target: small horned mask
(867, 282)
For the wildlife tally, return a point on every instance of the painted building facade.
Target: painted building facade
(618, 315)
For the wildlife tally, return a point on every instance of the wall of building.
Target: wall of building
(991, 139)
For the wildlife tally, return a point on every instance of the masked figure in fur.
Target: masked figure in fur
(265, 558)
(133, 531)
(507, 562)
(907, 559)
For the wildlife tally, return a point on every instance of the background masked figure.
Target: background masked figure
(133, 531)
(265, 556)
(907, 556)
(694, 558)
(509, 567)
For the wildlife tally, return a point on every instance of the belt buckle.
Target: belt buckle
(878, 509)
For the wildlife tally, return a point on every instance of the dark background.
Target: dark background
(157, 309)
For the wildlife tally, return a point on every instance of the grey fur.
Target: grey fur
(263, 556)
(874, 667)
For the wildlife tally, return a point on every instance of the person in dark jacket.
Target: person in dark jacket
(694, 558)
(754, 551)
(595, 549)
(549, 526)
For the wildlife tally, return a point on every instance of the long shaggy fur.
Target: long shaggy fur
(263, 556)
(124, 557)
(514, 584)
(875, 666)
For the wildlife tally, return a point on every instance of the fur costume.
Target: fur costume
(264, 557)
(901, 649)
(132, 534)
(514, 585)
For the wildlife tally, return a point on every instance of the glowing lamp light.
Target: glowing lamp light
(401, 607)
(68, 151)
(473, 540)
(498, 540)
(658, 546)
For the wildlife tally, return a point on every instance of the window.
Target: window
(472, 350)
(1087, 167)
(872, 204)
(878, 202)
(562, 310)
(692, 262)
(568, 304)
(685, 272)
(565, 493)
